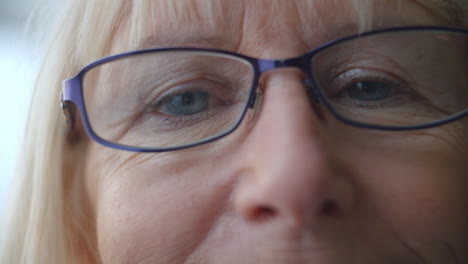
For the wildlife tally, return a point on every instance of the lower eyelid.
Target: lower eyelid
(170, 122)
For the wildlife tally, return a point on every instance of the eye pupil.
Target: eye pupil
(369, 91)
(188, 103)
(186, 98)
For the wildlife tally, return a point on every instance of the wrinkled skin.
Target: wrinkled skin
(284, 187)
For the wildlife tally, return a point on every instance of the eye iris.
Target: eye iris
(188, 103)
(369, 91)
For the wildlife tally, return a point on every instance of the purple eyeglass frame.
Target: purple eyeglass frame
(72, 92)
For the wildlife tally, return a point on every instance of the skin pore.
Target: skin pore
(289, 185)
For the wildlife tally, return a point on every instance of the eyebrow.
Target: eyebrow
(181, 41)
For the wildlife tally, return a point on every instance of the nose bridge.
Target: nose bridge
(290, 108)
(288, 118)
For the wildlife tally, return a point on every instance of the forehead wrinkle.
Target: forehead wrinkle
(293, 25)
(188, 23)
(318, 20)
(221, 24)
(195, 40)
(177, 25)
(448, 10)
(272, 22)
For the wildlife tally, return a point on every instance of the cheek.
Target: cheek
(157, 210)
(415, 182)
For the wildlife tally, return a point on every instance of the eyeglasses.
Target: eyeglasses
(174, 98)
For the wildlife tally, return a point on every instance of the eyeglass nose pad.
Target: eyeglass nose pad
(255, 102)
(311, 91)
(69, 111)
(315, 99)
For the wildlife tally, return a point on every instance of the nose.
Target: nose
(291, 172)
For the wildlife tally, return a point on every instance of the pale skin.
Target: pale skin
(285, 187)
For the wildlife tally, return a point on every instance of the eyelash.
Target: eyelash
(346, 78)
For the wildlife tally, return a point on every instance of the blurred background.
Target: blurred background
(19, 61)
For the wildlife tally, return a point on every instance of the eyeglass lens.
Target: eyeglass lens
(167, 99)
(395, 79)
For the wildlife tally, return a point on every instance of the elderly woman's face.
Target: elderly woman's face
(284, 187)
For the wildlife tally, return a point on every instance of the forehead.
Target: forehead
(236, 24)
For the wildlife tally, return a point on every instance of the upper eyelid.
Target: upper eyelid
(370, 62)
(337, 81)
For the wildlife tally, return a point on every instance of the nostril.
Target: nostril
(264, 212)
(330, 207)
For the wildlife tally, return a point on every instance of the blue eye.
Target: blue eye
(187, 103)
(369, 91)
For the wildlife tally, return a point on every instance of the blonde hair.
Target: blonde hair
(46, 224)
